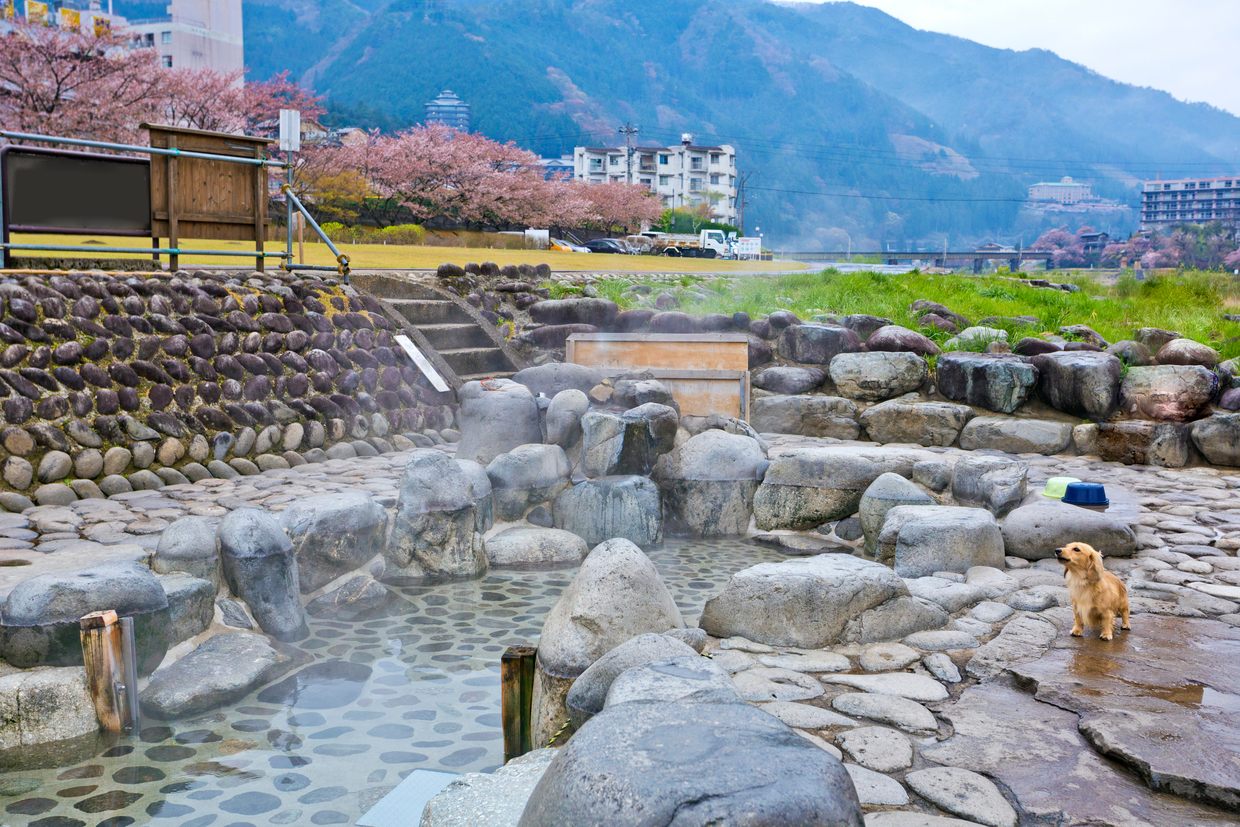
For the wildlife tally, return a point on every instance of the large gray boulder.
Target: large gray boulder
(1167, 392)
(671, 764)
(918, 423)
(480, 492)
(629, 443)
(554, 378)
(681, 678)
(919, 540)
(42, 706)
(884, 494)
(638, 390)
(816, 344)
(1016, 436)
(806, 487)
(994, 483)
(191, 606)
(526, 476)
(1136, 442)
(788, 380)
(435, 532)
(615, 596)
(1080, 383)
(189, 545)
(333, 534)
(260, 568)
(708, 484)
(589, 692)
(222, 670)
(39, 621)
(563, 418)
(895, 339)
(1218, 439)
(1188, 352)
(995, 381)
(501, 794)
(350, 600)
(829, 416)
(805, 602)
(878, 375)
(1035, 531)
(607, 507)
(496, 416)
(533, 546)
(597, 312)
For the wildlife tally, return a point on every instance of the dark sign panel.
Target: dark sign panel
(54, 191)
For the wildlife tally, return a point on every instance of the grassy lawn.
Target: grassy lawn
(362, 256)
(1190, 302)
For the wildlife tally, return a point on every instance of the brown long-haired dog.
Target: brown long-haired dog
(1097, 595)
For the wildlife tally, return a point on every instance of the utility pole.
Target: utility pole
(628, 131)
(741, 179)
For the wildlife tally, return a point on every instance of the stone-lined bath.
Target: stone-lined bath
(412, 685)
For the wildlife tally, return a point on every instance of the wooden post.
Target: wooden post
(260, 197)
(174, 260)
(516, 669)
(301, 238)
(101, 653)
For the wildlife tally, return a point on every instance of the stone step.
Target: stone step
(482, 377)
(454, 336)
(431, 312)
(474, 360)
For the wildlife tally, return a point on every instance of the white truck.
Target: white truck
(706, 244)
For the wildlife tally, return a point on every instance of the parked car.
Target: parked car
(607, 245)
(566, 247)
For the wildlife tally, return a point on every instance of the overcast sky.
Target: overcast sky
(1185, 47)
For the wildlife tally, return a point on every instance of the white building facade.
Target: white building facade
(195, 34)
(683, 176)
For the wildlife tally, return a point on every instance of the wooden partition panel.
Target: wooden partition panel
(706, 372)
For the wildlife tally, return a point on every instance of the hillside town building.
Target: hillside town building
(684, 175)
(1064, 191)
(1191, 201)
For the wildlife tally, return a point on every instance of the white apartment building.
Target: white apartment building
(683, 176)
(195, 34)
(1191, 201)
(1064, 191)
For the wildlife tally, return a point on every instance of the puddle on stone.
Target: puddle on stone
(415, 686)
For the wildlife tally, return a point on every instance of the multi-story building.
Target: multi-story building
(1064, 191)
(195, 34)
(448, 110)
(1191, 201)
(683, 176)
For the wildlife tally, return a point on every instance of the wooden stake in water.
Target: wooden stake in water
(101, 654)
(516, 670)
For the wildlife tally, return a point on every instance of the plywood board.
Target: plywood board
(706, 351)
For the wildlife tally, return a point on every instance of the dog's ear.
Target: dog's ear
(1094, 569)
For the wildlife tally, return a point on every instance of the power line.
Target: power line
(894, 197)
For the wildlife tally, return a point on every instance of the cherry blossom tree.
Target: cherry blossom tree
(1065, 247)
(619, 206)
(54, 81)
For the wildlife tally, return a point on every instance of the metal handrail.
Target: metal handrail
(341, 258)
(150, 150)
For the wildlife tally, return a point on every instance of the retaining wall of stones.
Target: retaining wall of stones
(112, 382)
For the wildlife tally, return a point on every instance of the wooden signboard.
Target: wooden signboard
(706, 372)
(205, 199)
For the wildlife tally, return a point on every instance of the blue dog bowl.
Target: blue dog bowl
(1085, 493)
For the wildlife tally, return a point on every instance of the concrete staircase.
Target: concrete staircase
(470, 346)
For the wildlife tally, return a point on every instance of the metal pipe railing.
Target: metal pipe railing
(343, 260)
(180, 251)
(150, 150)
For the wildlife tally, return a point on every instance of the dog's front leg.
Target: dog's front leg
(1107, 626)
(1078, 622)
